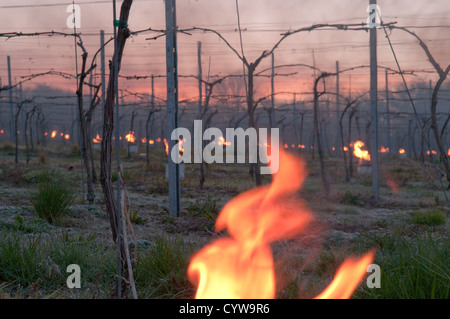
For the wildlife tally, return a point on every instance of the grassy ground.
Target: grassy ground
(409, 227)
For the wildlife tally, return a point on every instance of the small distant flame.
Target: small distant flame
(54, 134)
(432, 152)
(358, 152)
(158, 140)
(285, 146)
(222, 141)
(143, 140)
(130, 137)
(62, 134)
(448, 153)
(46, 133)
(166, 145)
(67, 136)
(345, 148)
(97, 139)
(333, 148)
(384, 149)
(401, 151)
(151, 142)
(1, 132)
(301, 146)
(180, 146)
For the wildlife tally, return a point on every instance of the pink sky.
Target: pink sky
(263, 21)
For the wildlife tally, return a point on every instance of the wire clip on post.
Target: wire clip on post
(120, 24)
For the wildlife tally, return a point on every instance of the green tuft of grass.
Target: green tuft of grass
(36, 265)
(52, 199)
(161, 269)
(352, 199)
(411, 269)
(430, 217)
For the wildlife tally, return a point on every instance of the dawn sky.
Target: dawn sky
(262, 21)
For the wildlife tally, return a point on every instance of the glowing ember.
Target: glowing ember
(384, 149)
(401, 151)
(62, 134)
(46, 133)
(1, 132)
(54, 134)
(358, 152)
(130, 137)
(242, 266)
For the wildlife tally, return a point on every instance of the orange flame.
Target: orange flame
(358, 152)
(1, 132)
(54, 134)
(345, 148)
(384, 149)
(166, 145)
(67, 136)
(401, 151)
(242, 265)
(448, 153)
(97, 139)
(347, 278)
(222, 141)
(151, 142)
(130, 137)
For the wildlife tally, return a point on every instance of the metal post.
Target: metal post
(102, 66)
(200, 75)
(388, 114)
(272, 100)
(11, 106)
(338, 113)
(172, 105)
(374, 111)
(102, 71)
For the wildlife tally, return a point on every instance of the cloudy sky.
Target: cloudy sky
(262, 21)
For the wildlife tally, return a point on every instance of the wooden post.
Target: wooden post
(172, 105)
(11, 106)
(374, 111)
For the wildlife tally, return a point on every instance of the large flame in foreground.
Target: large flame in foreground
(242, 266)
